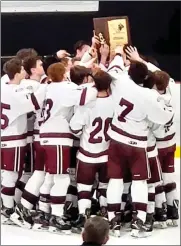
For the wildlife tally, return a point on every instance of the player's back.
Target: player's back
(55, 128)
(94, 141)
(134, 107)
(166, 134)
(129, 122)
(13, 121)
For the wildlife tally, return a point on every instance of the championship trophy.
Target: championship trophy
(112, 30)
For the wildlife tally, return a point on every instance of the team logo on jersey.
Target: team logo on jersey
(45, 141)
(132, 143)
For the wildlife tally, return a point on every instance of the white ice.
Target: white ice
(11, 235)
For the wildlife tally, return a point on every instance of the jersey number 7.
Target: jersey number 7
(126, 111)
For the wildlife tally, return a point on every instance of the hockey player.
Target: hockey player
(30, 196)
(166, 142)
(128, 133)
(14, 107)
(92, 124)
(57, 139)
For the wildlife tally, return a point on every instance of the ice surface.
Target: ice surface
(11, 235)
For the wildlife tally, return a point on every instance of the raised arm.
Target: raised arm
(78, 97)
(79, 120)
(155, 107)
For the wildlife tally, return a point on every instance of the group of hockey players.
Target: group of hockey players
(85, 136)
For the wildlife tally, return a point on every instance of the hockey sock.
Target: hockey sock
(139, 193)
(125, 195)
(151, 199)
(160, 197)
(58, 193)
(20, 185)
(44, 199)
(170, 188)
(8, 188)
(114, 194)
(84, 197)
(102, 194)
(31, 192)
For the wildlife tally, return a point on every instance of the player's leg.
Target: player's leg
(160, 197)
(115, 186)
(126, 205)
(71, 205)
(102, 188)
(85, 178)
(31, 192)
(28, 171)
(159, 209)
(42, 217)
(13, 160)
(58, 162)
(168, 170)
(139, 190)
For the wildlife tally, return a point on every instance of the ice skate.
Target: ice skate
(149, 223)
(59, 226)
(115, 225)
(103, 212)
(172, 214)
(95, 207)
(5, 215)
(41, 221)
(70, 213)
(22, 217)
(78, 224)
(160, 217)
(138, 228)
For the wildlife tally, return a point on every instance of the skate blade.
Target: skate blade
(140, 234)
(115, 233)
(126, 227)
(39, 227)
(55, 230)
(76, 230)
(172, 223)
(18, 221)
(160, 225)
(6, 221)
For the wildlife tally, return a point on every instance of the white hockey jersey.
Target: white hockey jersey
(166, 134)
(93, 123)
(59, 106)
(14, 109)
(4, 79)
(151, 143)
(134, 107)
(31, 86)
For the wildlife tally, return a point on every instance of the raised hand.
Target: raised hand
(95, 40)
(132, 54)
(62, 53)
(104, 50)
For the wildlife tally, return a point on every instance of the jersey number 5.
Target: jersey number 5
(4, 117)
(98, 122)
(126, 111)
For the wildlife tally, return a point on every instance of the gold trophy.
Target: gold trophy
(112, 30)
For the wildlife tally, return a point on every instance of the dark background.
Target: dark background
(154, 26)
